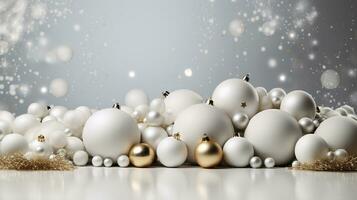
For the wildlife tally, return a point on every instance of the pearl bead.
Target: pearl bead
(97, 161)
(341, 154)
(123, 161)
(80, 158)
(330, 155)
(277, 95)
(137, 115)
(240, 121)
(316, 123)
(269, 162)
(108, 162)
(255, 162)
(295, 164)
(170, 130)
(154, 118)
(307, 125)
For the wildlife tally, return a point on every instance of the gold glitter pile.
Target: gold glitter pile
(348, 164)
(19, 162)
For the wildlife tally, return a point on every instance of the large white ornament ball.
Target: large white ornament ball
(158, 105)
(135, 98)
(299, 104)
(123, 161)
(24, 123)
(110, 133)
(201, 119)
(38, 109)
(236, 95)
(74, 144)
(179, 100)
(339, 133)
(277, 95)
(13, 143)
(273, 133)
(172, 152)
(5, 128)
(6, 116)
(310, 148)
(80, 158)
(58, 112)
(238, 151)
(153, 136)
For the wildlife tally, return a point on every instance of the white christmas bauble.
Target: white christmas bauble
(110, 133)
(57, 139)
(136, 97)
(158, 105)
(46, 129)
(123, 161)
(97, 161)
(276, 95)
(307, 125)
(310, 148)
(240, 121)
(86, 112)
(6, 116)
(261, 91)
(299, 104)
(265, 103)
(339, 133)
(153, 136)
(236, 95)
(172, 152)
(200, 119)
(13, 143)
(349, 109)
(154, 118)
(127, 109)
(273, 133)
(341, 154)
(5, 128)
(48, 118)
(80, 158)
(269, 162)
(74, 120)
(38, 109)
(74, 144)
(24, 123)
(41, 148)
(108, 162)
(341, 111)
(58, 112)
(179, 100)
(238, 151)
(256, 162)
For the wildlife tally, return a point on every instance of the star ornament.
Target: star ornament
(243, 104)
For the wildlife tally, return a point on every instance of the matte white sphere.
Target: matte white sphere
(238, 151)
(24, 123)
(277, 95)
(339, 133)
(38, 109)
(110, 133)
(273, 133)
(5, 128)
(171, 152)
(58, 112)
(256, 162)
(179, 100)
(57, 139)
(341, 154)
(86, 112)
(295, 164)
(74, 120)
(200, 119)
(349, 109)
(48, 118)
(236, 95)
(41, 148)
(13, 143)
(46, 129)
(240, 121)
(299, 104)
(154, 118)
(269, 162)
(136, 97)
(265, 103)
(144, 109)
(307, 125)
(97, 161)
(108, 162)
(158, 105)
(261, 91)
(123, 161)
(6, 116)
(74, 144)
(310, 148)
(153, 136)
(80, 158)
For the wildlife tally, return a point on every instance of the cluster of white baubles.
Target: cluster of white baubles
(253, 126)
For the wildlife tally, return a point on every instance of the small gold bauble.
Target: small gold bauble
(141, 155)
(208, 153)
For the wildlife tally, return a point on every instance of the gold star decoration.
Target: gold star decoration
(243, 104)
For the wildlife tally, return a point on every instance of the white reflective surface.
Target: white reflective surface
(182, 183)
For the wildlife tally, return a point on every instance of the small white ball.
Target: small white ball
(97, 161)
(73, 144)
(341, 154)
(238, 151)
(307, 125)
(57, 139)
(330, 155)
(13, 143)
(158, 105)
(299, 104)
(153, 136)
(269, 162)
(136, 97)
(58, 112)
(240, 121)
(170, 130)
(48, 118)
(154, 118)
(172, 152)
(24, 123)
(277, 95)
(80, 158)
(255, 162)
(310, 148)
(5, 128)
(123, 161)
(38, 109)
(108, 162)
(6, 116)
(295, 164)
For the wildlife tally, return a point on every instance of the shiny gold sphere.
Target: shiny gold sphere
(208, 153)
(141, 155)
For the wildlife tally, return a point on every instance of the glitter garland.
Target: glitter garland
(348, 164)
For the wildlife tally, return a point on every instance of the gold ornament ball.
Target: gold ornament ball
(141, 155)
(208, 153)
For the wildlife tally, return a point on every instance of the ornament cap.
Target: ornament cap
(177, 136)
(210, 102)
(246, 78)
(165, 94)
(41, 138)
(116, 105)
(48, 107)
(205, 138)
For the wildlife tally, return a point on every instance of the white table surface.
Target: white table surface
(182, 183)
